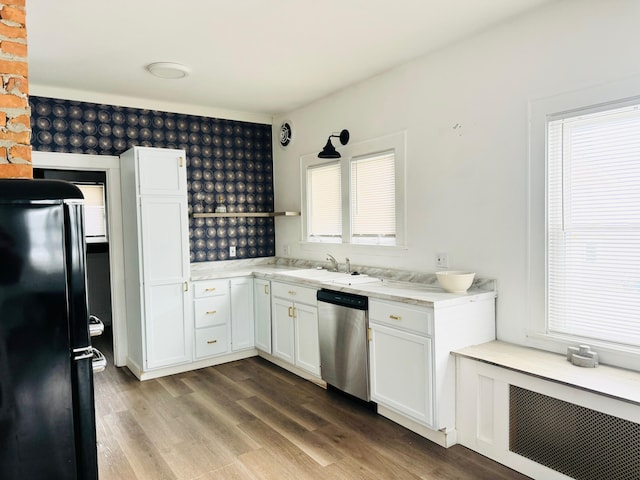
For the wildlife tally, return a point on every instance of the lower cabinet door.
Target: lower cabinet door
(166, 330)
(307, 341)
(401, 372)
(283, 335)
(242, 314)
(262, 312)
(212, 341)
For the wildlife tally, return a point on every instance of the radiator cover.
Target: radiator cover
(579, 442)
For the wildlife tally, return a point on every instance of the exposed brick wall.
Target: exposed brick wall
(15, 130)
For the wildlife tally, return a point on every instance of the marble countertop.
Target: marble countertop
(604, 380)
(385, 284)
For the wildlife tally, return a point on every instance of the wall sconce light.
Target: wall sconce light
(329, 150)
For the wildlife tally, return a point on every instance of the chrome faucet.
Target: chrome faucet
(334, 263)
(348, 266)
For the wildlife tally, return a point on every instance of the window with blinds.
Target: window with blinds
(593, 225)
(373, 199)
(324, 203)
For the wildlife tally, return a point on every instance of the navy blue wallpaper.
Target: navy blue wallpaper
(228, 161)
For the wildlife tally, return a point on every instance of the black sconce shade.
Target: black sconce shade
(329, 150)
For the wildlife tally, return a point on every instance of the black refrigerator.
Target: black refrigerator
(47, 416)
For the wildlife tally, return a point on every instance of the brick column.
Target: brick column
(15, 127)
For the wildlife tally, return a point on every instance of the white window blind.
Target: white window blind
(593, 226)
(373, 199)
(324, 203)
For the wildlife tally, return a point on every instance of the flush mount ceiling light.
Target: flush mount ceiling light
(329, 151)
(168, 70)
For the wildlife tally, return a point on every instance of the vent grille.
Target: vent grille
(573, 440)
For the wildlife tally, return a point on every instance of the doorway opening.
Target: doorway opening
(93, 185)
(105, 257)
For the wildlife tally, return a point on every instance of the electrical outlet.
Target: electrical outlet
(442, 260)
(232, 251)
(285, 250)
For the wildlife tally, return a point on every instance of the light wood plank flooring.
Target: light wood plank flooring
(253, 420)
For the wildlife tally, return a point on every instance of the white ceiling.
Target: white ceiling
(260, 56)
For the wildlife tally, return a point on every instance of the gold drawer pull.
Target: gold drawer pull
(210, 289)
(211, 312)
(212, 341)
(292, 292)
(395, 317)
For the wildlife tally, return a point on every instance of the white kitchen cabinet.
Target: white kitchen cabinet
(212, 314)
(156, 253)
(242, 323)
(295, 326)
(262, 314)
(401, 372)
(412, 372)
(283, 325)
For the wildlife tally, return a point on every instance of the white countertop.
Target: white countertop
(603, 380)
(417, 293)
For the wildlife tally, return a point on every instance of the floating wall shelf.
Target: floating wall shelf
(245, 214)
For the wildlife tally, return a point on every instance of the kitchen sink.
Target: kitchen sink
(340, 278)
(316, 274)
(356, 280)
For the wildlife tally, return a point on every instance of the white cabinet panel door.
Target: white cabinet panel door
(168, 338)
(262, 312)
(165, 244)
(307, 339)
(165, 268)
(401, 372)
(283, 330)
(242, 313)
(161, 172)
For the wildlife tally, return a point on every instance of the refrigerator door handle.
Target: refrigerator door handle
(96, 327)
(99, 362)
(84, 352)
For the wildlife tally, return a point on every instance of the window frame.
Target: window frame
(541, 111)
(394, 142)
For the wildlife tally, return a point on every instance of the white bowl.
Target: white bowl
(455, 281)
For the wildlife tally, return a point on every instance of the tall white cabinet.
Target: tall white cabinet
(156, 253)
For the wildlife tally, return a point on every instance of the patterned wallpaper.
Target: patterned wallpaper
(228, 160)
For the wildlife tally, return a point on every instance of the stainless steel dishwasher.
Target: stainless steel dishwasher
(343, 321)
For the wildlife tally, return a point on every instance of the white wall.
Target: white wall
(467, 185)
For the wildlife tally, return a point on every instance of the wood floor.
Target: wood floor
(253, 420)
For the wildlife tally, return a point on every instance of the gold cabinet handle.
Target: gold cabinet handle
(211, 312)
(210, 289)
(395, 317)
(292, 292)
(295, 314)
(266, 289)
(181, 160)
(186, 286)
(212, 341)
(289, 311)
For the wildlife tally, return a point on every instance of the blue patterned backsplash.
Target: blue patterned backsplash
(226, 158)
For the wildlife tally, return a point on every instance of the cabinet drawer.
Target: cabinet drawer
(212, 341)
(211, 311)
(210, 288)
(412, 319)
(294, 293)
